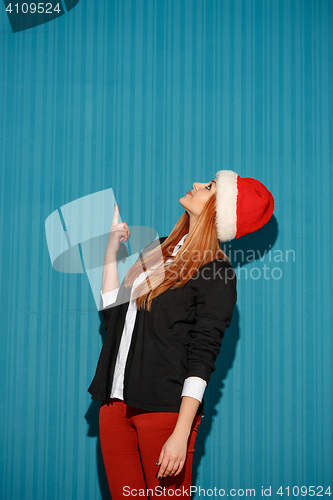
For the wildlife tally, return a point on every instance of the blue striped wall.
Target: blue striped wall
(146, 97)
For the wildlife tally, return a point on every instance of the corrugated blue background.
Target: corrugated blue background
(147, 97)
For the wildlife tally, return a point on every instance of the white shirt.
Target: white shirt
(193, 386)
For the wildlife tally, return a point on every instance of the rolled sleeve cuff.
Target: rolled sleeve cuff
(109, 298)
(194, 387)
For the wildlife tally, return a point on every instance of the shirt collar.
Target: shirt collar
(177, 247)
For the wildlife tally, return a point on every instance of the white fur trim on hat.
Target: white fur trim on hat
(226, 203)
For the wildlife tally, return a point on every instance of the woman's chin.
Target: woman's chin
(181, 201)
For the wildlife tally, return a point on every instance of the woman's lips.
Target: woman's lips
(189, 192)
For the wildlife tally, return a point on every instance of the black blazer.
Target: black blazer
(179, 337)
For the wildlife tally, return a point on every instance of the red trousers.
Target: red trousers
(131, 442)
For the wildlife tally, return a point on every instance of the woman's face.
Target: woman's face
(195, 200)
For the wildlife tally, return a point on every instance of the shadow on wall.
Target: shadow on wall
(259, 242)
(214, 390)
(92, 420)
(253, 246)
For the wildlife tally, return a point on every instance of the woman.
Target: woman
(165, 325)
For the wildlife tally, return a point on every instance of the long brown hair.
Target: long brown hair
(200, 247)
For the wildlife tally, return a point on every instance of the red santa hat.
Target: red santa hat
(243, 205)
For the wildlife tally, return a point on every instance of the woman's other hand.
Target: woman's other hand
(118, 233)
(173, 455)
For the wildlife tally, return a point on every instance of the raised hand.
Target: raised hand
(118, 233)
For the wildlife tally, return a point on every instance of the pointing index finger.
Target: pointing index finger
(115, 215)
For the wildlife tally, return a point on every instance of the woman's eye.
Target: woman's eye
(209, 187)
